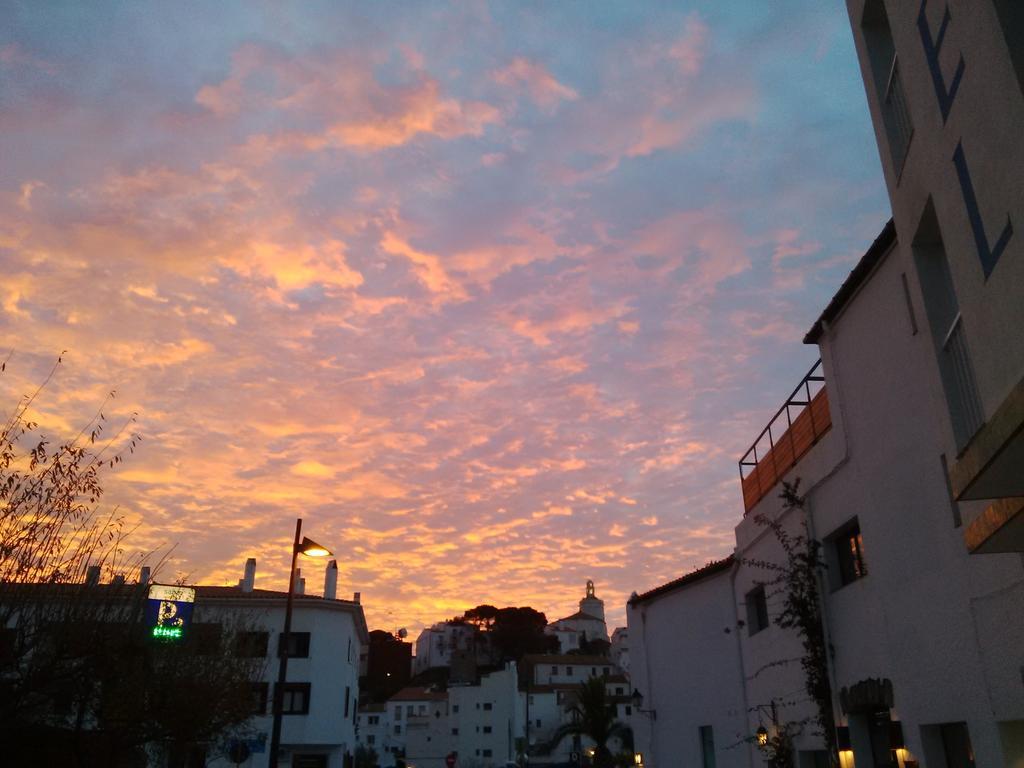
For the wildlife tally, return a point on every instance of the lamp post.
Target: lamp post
(638, 703)
(309, 548)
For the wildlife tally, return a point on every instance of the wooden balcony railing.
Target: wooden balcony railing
(795, 428)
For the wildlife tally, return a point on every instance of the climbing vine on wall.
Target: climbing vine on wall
(797, 582)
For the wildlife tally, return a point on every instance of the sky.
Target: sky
(492, 295)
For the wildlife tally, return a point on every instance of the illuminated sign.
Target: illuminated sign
(169, 610)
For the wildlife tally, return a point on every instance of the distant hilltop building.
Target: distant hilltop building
(584, 626)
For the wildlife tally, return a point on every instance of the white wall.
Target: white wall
(685, 663)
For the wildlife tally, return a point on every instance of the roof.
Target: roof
(856, 278)
(579, 615)
(419, 693)
(712, 568)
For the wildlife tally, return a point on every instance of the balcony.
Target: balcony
(792, 432)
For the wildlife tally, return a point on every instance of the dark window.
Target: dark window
(956, 744)
(258, 693)
(347, 694)
(629, 710)
(295, 699)
(568, 671)
(251, 644)
(1011, 17)
(298, 645)
(487, 753)
(849, 554)
(455, 731)
(605, 671)
(204, 639)
(409, 710)
(488, 706)
(398, 729)
(757, 610)
(618, 690)
(455, 709)
(888, 84)
(371, 739)
(487, 729)
(554, 670)
(398, 713)
(538, 723)
(707, 746)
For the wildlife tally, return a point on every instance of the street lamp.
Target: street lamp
(638, 703)
(309, 548)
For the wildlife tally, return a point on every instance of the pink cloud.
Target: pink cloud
(534, 78)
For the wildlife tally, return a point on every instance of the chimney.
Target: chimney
(144, 574)
(92, 575)
(331, 581)
(249, 580)
(300, 583)
(356, 596)
(118, 580)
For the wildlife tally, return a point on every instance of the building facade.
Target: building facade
(586, 625)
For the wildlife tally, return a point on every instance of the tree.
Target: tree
(519, 631)
(81, 684)
(797, 580)
(594, 717)
(366, 757)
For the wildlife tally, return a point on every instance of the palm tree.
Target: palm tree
(594, 717)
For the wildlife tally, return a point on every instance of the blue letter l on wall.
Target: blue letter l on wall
(987, 255)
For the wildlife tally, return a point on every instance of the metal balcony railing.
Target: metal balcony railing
(964, 401)
(792, 431)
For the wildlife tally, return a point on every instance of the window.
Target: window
(629, 710)
(487, 729)
(757, 610)
(258, 695)
(347, 694)
(593, 671)
(707, 746)
(295, 698)
(422, 709)
(409, 710)
(455, 709)
(251, 645)
(398, 730)
(942, 309)
(618, 690)
(888, 85)
(848, 548)
(373, 719)
(298, 645)
(398, 713)
(568, 671)
(204, 639)
(554, 670)
(488, 706)
(538, 722)
(488, 753)
(606, 671)
(371, 739)
(1011, 18)
(455, 731)
(349, 653)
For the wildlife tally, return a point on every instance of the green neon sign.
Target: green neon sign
(167, 633)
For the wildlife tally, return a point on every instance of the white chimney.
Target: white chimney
(356, 596)
(300, 583)
(249, 580)
(144, 572)
(331, 581)
(92, 575)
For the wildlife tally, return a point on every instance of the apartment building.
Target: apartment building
(320, 698)
(944, 85)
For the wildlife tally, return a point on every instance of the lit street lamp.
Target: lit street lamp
(309, 548)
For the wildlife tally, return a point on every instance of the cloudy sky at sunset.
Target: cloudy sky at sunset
(494, 296)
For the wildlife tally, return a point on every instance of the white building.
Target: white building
(619, 652)
(321, 695)
(586, 624)
(685, 653)
(552, 683)
(909, 440)
(438, 644)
